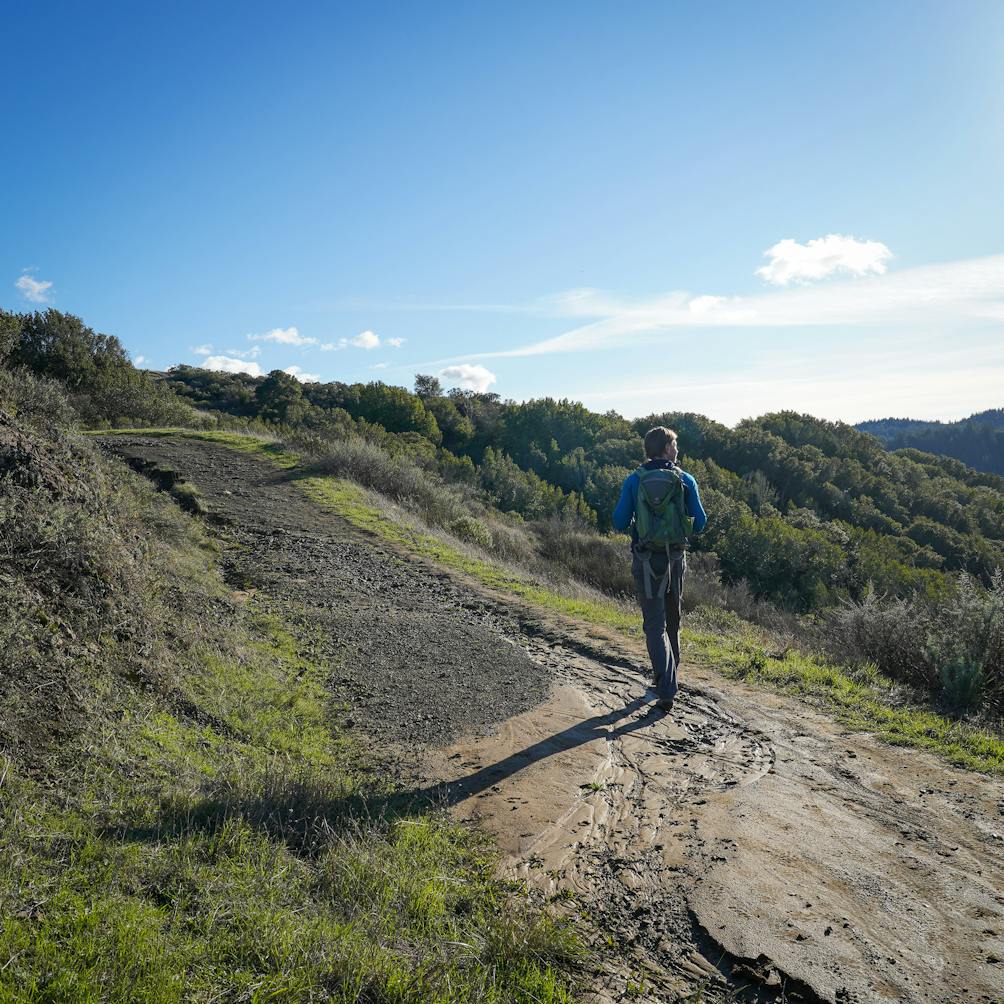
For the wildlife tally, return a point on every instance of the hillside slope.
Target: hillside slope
(977, 441)
(745, 840)
(186, 814)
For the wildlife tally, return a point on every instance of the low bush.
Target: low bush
(892, 633)
(34, 399)
(473, 531)
(962, 684)
(603, 562)
(953, 648)
(398, 478)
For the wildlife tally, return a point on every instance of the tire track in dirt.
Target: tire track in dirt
(744, 845)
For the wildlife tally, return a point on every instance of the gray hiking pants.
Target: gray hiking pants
(661, 617)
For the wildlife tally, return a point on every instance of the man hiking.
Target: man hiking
(661, 505)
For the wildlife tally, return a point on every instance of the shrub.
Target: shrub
(892, 633)
(35, 399)
(967, 644)
(962, 684)
(602, 562)
(472, 530)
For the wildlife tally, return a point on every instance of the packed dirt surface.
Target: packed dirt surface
(742, 847)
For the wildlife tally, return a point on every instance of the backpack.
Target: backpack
(661, 519)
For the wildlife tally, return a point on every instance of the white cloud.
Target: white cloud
(833, 254)
(364, 340)
(283, 336)
(468, 377)
(395, 343)
(34, 290)
(380, 366)
(203, 350)
(139, 360)
(227, 364)
(295, 371)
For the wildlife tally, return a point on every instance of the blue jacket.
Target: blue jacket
(624, 511)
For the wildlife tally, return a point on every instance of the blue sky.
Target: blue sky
(564, 199)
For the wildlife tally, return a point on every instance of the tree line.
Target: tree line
(977, 441)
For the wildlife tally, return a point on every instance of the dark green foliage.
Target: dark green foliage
(233, 393)
(428, 386)
(977, 441)
(62, 346)
(456, 428)
(514, 490)
(279, 398)
(103, 385)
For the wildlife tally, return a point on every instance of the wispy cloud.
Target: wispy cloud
(34, 290)
(284, 336)
(202, 350)
(817, 259)
(300, 375)
(931, 381)
(956, 294)
(139, 360)
(468, 377)
(228, 364)
(252, 353)
(396, 343)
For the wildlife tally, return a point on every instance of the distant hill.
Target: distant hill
(977, 441)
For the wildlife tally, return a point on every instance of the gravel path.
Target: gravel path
(419, 658)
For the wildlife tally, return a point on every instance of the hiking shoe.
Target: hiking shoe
(665, 704)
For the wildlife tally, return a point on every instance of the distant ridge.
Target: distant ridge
(977, 440)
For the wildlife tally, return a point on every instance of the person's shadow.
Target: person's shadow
(598, 727)
(296, 809)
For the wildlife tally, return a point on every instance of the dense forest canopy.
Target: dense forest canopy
(807, 512)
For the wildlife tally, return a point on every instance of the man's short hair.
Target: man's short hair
(656, 441)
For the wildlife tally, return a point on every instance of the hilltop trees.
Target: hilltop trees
(279, 398)
(104, 386)
(977, 441)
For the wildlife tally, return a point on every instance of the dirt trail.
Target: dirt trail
(742, 845)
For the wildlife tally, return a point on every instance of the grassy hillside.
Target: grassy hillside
(871, 556)
(184, 818)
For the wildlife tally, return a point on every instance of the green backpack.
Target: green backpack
(661, 519)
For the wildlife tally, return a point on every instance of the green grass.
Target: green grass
(859, 705)
(860, 701)
(256, 864)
